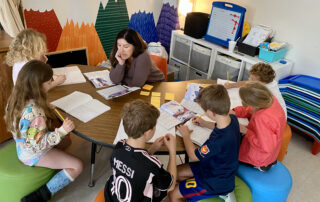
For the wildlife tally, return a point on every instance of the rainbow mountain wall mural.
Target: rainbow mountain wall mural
(46, 23)
(168, 21)
(74, 36)
(143, 23)
(110, 20)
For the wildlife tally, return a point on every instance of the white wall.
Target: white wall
(295, 21)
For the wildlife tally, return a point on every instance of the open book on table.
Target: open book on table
(178, 111)
(160, 131)
(99, 78)
(116, 91)
(73, 75)
(199, 134)
(81, 106)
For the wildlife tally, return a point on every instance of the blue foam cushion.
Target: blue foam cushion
(273, 185)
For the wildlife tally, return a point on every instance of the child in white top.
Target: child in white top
(28, 45)
(31, 122)
(264, 73)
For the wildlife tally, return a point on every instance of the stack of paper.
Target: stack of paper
(73, 75)
(99, 78)
(81, 106)
(257, 35)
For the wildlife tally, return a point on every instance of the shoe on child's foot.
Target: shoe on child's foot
(40, 195)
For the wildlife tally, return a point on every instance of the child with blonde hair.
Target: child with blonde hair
(28, 45)
(261, 142)
(265, 74)
(31, 122)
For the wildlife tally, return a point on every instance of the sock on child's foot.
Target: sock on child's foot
(59, 181)
(40, 195)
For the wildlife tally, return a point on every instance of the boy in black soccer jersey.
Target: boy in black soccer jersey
(137, 175)
(214, 164)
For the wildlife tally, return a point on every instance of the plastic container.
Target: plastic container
(247, 49)
(271, 56)
(309, 82)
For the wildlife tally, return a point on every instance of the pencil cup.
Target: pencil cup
(232, 44)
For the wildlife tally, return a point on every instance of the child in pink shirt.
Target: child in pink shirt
(262, 138)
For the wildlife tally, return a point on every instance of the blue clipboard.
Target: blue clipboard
(225, 24)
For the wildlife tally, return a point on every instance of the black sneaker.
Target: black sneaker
(266, 168)
(40, 195)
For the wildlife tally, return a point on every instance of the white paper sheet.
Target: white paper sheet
(167, 120)
(160, 131)
(81, 106)
(73, 75)
(71, 101)
(199, 134)
(257, 35)
(89, 110)
(192, 106)
(235, 100)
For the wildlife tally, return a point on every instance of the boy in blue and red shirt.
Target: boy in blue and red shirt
(212, 170)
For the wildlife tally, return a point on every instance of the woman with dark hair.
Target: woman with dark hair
(131, 62)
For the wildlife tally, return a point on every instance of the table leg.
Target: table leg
(186, 158)
(93, 159)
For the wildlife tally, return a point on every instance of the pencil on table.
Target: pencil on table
(227, 75)
(59, 114)
(201, 115)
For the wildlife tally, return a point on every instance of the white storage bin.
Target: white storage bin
(181, 49)
(174, 70)
(200, 57)
(226, 64)
(194, 74)
(182, 69)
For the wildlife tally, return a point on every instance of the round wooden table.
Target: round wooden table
(103, 129)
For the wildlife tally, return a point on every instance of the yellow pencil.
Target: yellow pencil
(59, 114)
(202, 115)
(227, 75)
(56, 75)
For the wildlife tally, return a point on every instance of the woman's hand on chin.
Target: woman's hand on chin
(120, 60)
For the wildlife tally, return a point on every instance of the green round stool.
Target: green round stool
(17, 179)
(241, 192)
